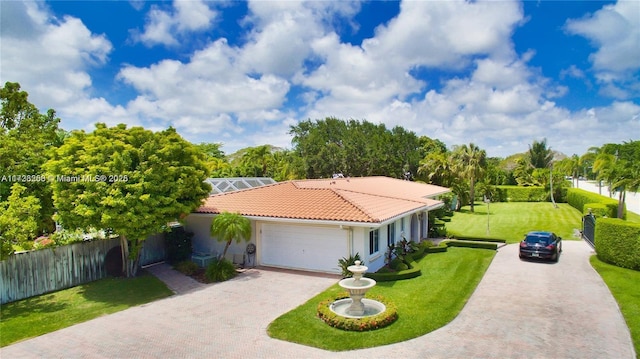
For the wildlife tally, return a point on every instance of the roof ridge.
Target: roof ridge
(359, 208)
(379, 195)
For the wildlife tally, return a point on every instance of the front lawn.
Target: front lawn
(46, 313)
(624, 284)
(512, 220)
(424, 304)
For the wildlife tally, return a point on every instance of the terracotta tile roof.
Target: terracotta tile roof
(362, 199)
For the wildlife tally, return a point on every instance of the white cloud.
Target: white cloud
(241, 95)
(50, 58)
(166, 27)
(615, 31)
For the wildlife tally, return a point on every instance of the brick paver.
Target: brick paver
(519, 310)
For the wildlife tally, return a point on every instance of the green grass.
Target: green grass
(624, 284)
(46, 313)
(424, 304)
(633, 217)
(512, 220)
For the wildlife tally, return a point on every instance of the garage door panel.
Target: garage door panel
(304, 247)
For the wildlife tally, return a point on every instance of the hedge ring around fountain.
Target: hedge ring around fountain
(357, 313)
(356, 306)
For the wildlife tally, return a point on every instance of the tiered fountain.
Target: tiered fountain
(356, 306)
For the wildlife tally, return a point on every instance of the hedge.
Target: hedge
(357, 324)
(583, 200)
(412, 272)
(472, 244)
(599, 210)
(618, 242)
(521, 194)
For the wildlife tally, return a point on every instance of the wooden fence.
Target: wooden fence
(27, 274)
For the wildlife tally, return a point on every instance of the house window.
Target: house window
(391, 234)
(374, 241)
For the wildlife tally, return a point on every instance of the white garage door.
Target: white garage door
(303, 247)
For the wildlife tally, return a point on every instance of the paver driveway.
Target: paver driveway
(519, 310)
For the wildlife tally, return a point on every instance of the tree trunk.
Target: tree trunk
(130, 256)
(472, 193)
(124, 250)
(224, 252)
(621, 199)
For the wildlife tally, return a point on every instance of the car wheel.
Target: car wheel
(556, 256)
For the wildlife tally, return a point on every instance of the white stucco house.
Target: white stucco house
(311, 224)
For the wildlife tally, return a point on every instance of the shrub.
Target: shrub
(357, 324)
(388, 275)
(618, 242)
(599, 210)
(220, 270)
(581, 200)
(396, 262)
(521, 194)
(345, 262)
(43, 242)
(186, 267)
(63, 237)
(473, 244)
(393, 276)
(439, 249)
(401, 266)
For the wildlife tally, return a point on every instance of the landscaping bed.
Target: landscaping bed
(424, 304)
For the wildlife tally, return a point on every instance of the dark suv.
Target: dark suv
(542, 245)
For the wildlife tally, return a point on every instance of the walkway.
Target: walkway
(519, 310)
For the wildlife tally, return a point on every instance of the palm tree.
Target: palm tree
(228, 226)
(470, 162)
(619, 166)
(539, 155)
(258, 159)
(437, 168)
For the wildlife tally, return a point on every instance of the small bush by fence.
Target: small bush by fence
(618, 242)
(583, 200)
(27, 274)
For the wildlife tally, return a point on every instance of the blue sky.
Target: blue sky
(500, 74)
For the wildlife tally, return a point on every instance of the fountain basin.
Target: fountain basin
(371, 307)
(357, 285)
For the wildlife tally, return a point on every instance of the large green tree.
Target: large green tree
(19, 219)
(26, 140)
(129, 180)
(356, 148)
(470, 162)
(619, 166)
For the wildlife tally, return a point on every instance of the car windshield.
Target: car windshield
(538, 239)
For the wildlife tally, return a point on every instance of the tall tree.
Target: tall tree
(470, 162)
(571, 166)
(539, 155)
(355, 148)
(19, 219)
(26, 139)
(257, 161)
(130, 180)
(227, 227)
(619, 166)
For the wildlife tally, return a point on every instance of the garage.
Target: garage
(316, 248)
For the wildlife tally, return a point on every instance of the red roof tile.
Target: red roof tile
(362, 199)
